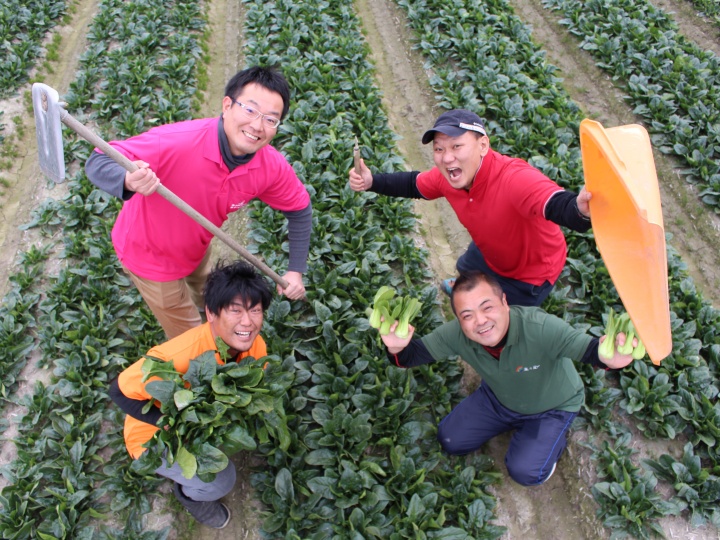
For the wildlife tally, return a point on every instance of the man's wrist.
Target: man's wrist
(577, 209)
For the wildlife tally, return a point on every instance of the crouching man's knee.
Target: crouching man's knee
(527, 476)
(449, 443)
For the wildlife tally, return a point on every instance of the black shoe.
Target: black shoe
(211, 513)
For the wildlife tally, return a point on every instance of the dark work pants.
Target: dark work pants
(518, 293)
(536, 445)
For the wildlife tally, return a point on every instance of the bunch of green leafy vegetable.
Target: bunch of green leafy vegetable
(388, 308)
(615, 325)
(213, 411)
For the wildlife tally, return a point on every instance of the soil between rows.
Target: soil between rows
(562, 509)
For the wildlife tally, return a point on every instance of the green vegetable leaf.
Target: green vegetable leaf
(202, 369)
(187, 462)
(183, 398)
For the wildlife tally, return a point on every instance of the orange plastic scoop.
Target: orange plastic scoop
(627, 222)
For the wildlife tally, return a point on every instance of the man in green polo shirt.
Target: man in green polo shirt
(529, 382)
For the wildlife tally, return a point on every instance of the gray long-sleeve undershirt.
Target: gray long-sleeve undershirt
(109, 176)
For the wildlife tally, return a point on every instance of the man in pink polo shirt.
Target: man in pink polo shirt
(216, 165)
(512, 211)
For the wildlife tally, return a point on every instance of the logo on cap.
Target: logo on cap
(473, 127)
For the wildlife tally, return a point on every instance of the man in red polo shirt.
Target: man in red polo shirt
(216, 165)
(512, 211)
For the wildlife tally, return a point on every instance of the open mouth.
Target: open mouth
(485, 330)
(243, 334)
(454, 173)
(251, 136)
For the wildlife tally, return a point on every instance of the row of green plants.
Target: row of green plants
(672, 83)
(72, 471)
(482, 57)
(363, 462)
(23, 26)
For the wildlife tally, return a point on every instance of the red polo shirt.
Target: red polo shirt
(504, 212)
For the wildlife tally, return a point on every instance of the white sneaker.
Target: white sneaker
(551, 472)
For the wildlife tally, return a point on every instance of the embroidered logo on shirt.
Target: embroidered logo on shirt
(521, 369)
(237, 206)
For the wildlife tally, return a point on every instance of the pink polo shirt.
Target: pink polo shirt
(504, 212)
(157, 241)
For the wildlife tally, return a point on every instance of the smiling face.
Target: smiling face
(245, 135)
(237, 325)
(484, 315)
(459, 158)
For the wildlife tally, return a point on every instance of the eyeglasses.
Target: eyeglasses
(253, 114)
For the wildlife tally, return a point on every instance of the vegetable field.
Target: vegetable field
(359, 459)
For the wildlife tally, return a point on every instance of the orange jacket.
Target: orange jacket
(179, 351)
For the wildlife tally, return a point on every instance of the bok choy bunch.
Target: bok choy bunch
(388, 308)
(617, 323)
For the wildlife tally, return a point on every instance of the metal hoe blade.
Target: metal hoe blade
(46, 107)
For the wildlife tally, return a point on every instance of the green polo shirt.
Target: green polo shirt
(535, 372)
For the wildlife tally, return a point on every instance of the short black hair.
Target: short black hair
(467, 281)
(227, 282)
(268, 77)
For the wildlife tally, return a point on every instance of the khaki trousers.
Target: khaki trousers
(177, 305)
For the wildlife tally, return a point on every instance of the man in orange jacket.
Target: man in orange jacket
(236, 298)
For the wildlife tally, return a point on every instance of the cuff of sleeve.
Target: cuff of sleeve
(394, 359)
(579, 213)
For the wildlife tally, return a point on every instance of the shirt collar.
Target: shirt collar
(482, 173)
(231, 161)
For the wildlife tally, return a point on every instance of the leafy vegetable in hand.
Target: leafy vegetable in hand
(615, 325)
(382, 297)
(388, 308)
(639, 351)
(411, 307)
(215, 410)
(607, 347)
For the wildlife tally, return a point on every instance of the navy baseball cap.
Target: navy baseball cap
(454, 123)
